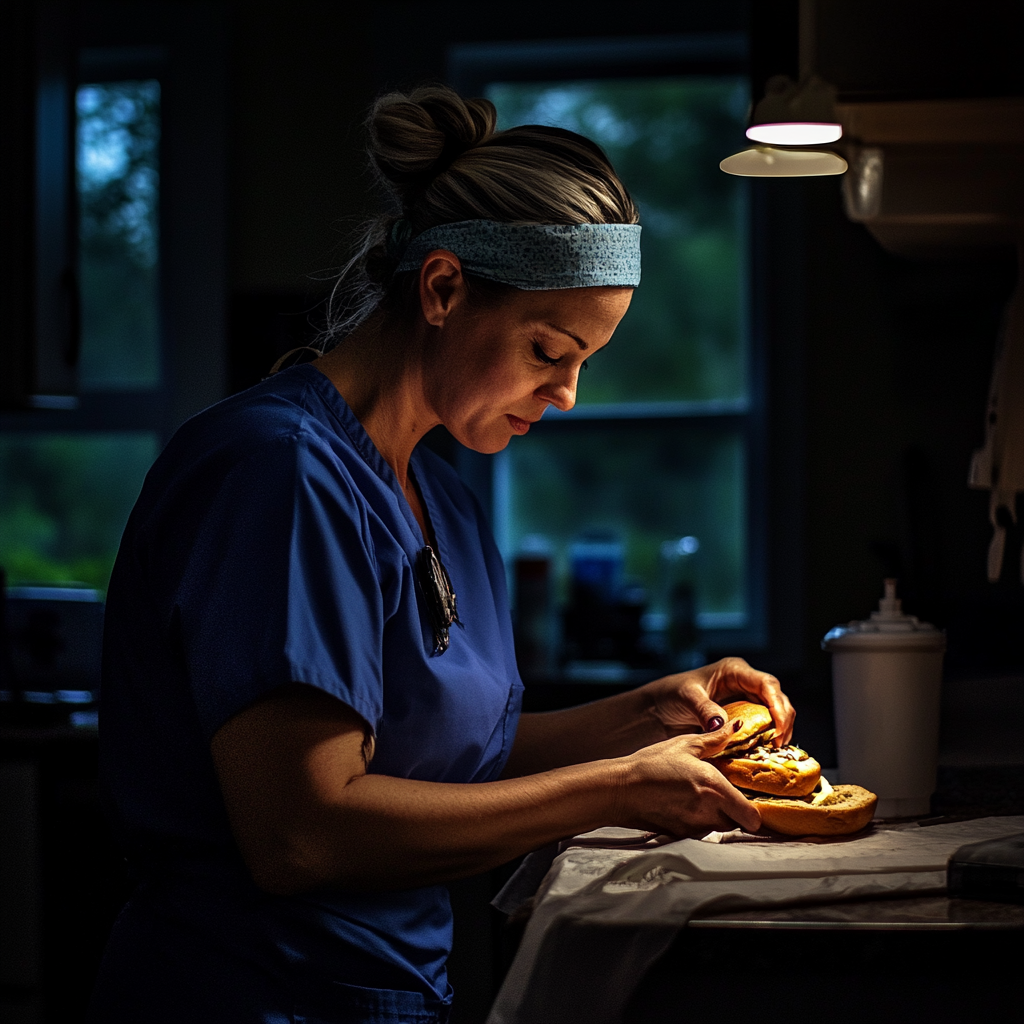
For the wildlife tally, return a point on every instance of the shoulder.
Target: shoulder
(289, 405)
(262, 443)
(291, 412)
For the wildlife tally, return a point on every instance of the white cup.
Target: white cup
(887, 682)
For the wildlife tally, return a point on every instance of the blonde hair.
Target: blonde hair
(440, 160)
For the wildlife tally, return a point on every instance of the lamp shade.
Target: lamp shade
(768, 162)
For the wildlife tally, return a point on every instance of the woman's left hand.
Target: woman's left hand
(690, 701)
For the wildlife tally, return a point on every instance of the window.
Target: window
(147, 90)
(659, 460)
(65, 493)
(118, 187)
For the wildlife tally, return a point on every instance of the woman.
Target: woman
(305, 732)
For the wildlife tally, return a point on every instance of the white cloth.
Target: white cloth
(602, 916)
(999, 465)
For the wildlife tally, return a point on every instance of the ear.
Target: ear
(442, 286)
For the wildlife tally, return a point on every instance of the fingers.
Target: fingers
(741, 810)
(783, 715)
(712, 717)
(710, 744)
(683, 793)
(683, 703)
(731, 802)
(735, 676)
(734, 804)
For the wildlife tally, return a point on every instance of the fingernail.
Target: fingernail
(737, 725)
(715, 723)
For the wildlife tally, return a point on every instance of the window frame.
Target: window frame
(471, 67)
(184, 49)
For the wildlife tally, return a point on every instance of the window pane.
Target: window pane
(64, 501)
(647, 485)
(118, 199)
(684, 337)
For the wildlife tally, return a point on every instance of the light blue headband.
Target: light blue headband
(536, 257)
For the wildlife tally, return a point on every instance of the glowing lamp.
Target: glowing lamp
(796, 133)
(792, 114)
(768, 162)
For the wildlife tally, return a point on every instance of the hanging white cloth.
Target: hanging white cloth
(999, 465)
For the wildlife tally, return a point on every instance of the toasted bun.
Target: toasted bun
(788, 771)
(847, 809)
(757, 727)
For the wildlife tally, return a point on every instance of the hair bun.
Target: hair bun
(416, 136)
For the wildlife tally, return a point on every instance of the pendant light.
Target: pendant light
(791, 117)
(773, 162)
(796, 115)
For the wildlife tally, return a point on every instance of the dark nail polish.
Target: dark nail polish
(715, 724)
(737, 725)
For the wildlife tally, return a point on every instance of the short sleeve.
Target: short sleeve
(282, 586)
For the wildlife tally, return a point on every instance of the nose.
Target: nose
(561, 393)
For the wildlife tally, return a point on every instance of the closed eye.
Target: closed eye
(539, 352)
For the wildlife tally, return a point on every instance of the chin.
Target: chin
(490, 446)
(485, 442)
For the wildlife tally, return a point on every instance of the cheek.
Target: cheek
(476, 388)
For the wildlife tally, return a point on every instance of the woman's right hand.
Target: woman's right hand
(306, 813)
(670, 788)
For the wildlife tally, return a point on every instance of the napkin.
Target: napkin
(602, 916)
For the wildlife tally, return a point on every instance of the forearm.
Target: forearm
(378, 832)
(611, 727)
(306, 814)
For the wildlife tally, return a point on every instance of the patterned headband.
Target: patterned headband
(535, 257)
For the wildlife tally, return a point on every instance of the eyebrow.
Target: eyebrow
(575, 337)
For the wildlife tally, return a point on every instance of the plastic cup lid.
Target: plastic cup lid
(888, 627)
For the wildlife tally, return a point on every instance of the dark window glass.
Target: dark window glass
(118, 176)
(648, 485)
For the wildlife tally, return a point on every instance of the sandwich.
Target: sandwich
(785, 783)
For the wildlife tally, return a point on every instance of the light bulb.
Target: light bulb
(796, 133)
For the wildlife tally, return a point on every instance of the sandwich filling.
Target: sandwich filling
(788, 756)
(822, 795)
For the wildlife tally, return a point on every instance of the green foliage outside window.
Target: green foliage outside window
(118, 177)
(64, 500)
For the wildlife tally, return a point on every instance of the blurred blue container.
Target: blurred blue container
(597, 565)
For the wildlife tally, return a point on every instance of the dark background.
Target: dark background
(877, 366)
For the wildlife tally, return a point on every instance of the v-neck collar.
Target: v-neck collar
(368, 451)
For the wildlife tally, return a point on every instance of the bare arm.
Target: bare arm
(687, 702)
(305, 813)
(612, 727)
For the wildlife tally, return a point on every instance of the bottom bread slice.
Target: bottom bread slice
(847, 809)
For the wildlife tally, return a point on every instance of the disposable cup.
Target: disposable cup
(887, 684)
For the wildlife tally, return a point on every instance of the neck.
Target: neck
(379, 373)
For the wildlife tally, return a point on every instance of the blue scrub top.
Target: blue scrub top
(272, 544)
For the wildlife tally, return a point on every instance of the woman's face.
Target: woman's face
(494, 370)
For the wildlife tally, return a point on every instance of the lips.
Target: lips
(520, 426)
